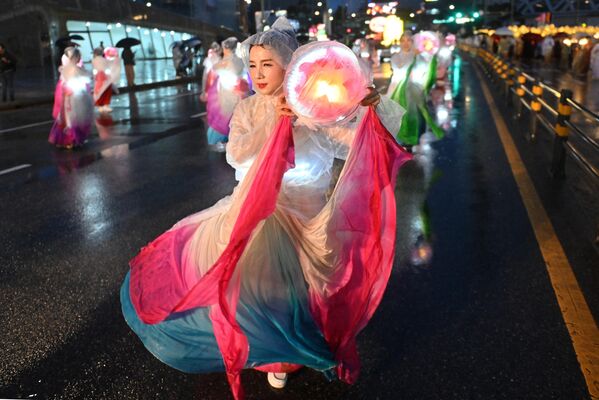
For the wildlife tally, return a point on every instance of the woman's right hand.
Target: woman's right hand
(283, 109)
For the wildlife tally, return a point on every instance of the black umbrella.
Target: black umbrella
(66, 41)
(192, 42)
(128, 42)
(176, 44)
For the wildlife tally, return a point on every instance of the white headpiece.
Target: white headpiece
(280, 39)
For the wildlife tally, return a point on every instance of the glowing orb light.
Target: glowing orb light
(450, 39)
(111, 52)
(426, 42)
(325, 83)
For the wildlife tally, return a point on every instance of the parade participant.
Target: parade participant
(227, 84)
(444, 57)
(547, 48)
(73, 107)
(275, 276)
(107, 73)
(401, 61)
(213, 57)
(412, 93)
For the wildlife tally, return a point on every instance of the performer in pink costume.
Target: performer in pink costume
(276, 275)
(107, 72)
(73, 108)
(227, 84)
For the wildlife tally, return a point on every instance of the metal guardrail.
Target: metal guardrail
(542, 100)
(551, 108)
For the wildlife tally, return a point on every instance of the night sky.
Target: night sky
(353, 5)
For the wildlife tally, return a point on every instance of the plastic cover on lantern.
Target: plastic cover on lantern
(325, 83)
(427, 42)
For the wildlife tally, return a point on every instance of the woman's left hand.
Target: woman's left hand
(283, 109)
(373, 98)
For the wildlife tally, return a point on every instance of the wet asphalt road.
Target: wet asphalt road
(481, 322)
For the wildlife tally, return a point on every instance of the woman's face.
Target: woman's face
(267, 75)
(405, 43)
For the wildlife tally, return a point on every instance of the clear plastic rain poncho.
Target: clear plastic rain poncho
(280, 39)
(73, 106)
(400, 63)
(227, 84)
(412, 92)
(278, 274)
(107, 71)
(212, 58)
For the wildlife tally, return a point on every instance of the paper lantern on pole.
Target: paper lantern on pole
(325, 83)
(426, 42)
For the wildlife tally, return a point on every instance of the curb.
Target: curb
(43, 100)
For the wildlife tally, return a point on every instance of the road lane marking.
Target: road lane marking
(574, 308)
(198, 115)
(175, 96)
(13, 169)
(25, 126)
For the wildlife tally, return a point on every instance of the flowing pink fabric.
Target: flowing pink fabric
(159, 273)
(363, 221)
(365, 243)
(216, 119)
(57, 99)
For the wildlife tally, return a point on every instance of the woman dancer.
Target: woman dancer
(400, 62)
(107, 71)
(213, 57)
(274, 276)
(227, 85)
(73, 106)
(412, 92)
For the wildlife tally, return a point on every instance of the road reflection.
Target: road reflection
(415, 234)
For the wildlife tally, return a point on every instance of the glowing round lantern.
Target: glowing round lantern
(111, 52)
(426, 42)
(325, 83)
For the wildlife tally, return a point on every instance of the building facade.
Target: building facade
(30, 28)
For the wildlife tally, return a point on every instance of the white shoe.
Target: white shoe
(220, 147)
(277, 380)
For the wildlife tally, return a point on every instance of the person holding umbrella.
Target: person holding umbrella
(128, 58)
(63, 42)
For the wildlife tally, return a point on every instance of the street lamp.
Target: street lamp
(412, 15)
(451, 6)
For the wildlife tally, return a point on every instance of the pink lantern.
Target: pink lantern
(111, 52)
(427, 42)
(450, 39)
(325, 83)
